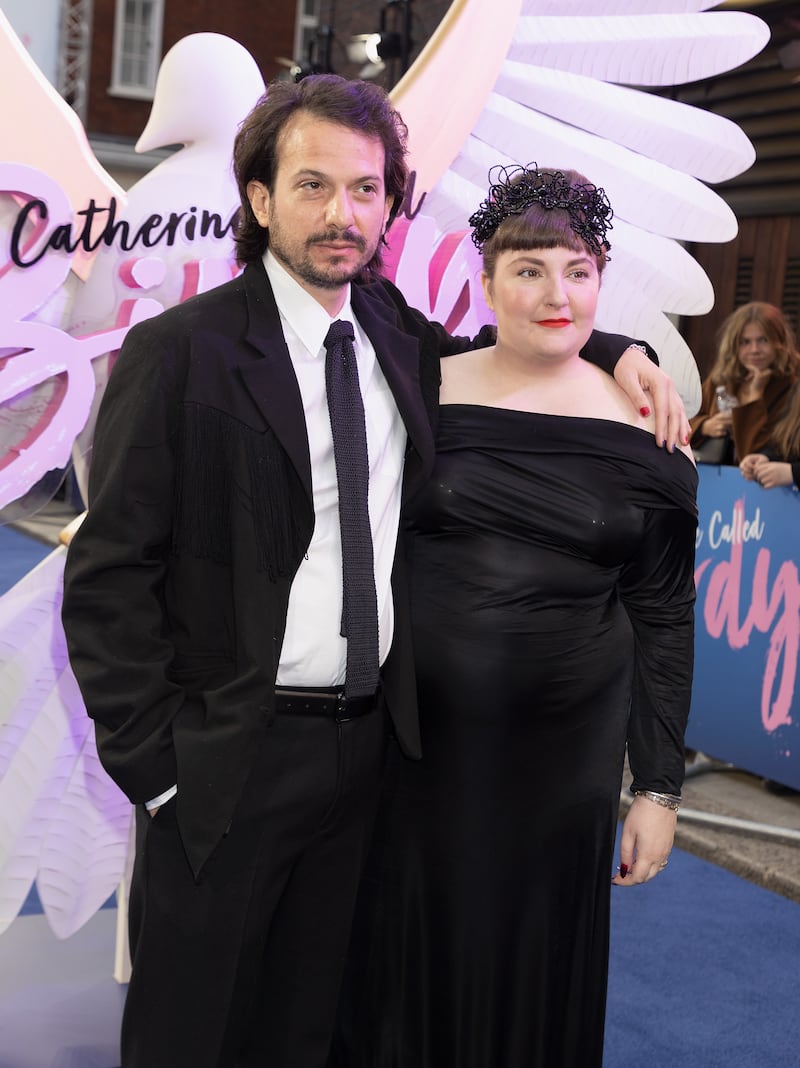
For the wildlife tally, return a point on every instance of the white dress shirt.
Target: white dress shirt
(314, 653)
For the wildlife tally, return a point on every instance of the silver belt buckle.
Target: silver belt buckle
(341, 708)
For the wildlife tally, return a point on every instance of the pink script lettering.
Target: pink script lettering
(774, 611)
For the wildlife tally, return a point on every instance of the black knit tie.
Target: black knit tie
(360, 603)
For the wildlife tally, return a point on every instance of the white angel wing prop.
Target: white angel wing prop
(47, 177)
(560, 95)
(206, 85)
(50, 137)
(63, 823)
(67, 297)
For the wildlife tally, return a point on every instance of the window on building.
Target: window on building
(137, 47)
(306, 27)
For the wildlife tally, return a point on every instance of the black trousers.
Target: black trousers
(243, 968)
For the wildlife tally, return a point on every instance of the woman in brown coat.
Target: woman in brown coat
(749, 384)
(779, 463)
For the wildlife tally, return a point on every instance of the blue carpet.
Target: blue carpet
(19, 554)
(703, 975)
(704, 972)
(32, 906)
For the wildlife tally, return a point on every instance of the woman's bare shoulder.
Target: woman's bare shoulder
(461, 374)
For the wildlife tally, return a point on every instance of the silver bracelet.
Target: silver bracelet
(641, 348)
(670, 801)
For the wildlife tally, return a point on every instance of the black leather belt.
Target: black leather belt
(330, 703)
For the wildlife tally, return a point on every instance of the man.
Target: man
(204, 592)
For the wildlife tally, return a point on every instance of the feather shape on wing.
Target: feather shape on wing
(562, 94)
(63, 823)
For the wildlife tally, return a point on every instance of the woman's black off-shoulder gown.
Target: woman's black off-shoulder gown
(552, 597)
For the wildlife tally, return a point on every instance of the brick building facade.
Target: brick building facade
(116, 115)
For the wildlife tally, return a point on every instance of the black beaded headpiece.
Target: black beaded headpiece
(513, 190)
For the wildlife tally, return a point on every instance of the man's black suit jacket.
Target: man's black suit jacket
(200, 511)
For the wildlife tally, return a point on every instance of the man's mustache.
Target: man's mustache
(350, 236)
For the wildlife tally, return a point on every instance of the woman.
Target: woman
(742, 398)
(552, 592)
(779, 463)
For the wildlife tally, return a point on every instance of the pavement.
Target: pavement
(46, 525)
(728, 816)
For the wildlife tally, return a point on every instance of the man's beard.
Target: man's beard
(301, 264)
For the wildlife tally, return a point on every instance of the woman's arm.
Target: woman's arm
(769, 473)
(709, 422)
(657, 589)
(754, 421)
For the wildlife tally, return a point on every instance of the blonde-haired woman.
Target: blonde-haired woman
(748, 386)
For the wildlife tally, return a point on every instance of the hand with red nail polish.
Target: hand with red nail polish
(622, 872)
(652, 393)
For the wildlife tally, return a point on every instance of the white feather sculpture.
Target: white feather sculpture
(63, 823)
(560, 95)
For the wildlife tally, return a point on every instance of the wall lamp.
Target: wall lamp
(372, 50)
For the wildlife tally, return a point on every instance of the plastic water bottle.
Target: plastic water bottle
(725, 400)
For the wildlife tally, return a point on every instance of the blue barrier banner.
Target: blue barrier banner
(745, 702)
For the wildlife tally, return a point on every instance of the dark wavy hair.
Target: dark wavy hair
(358, 105)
